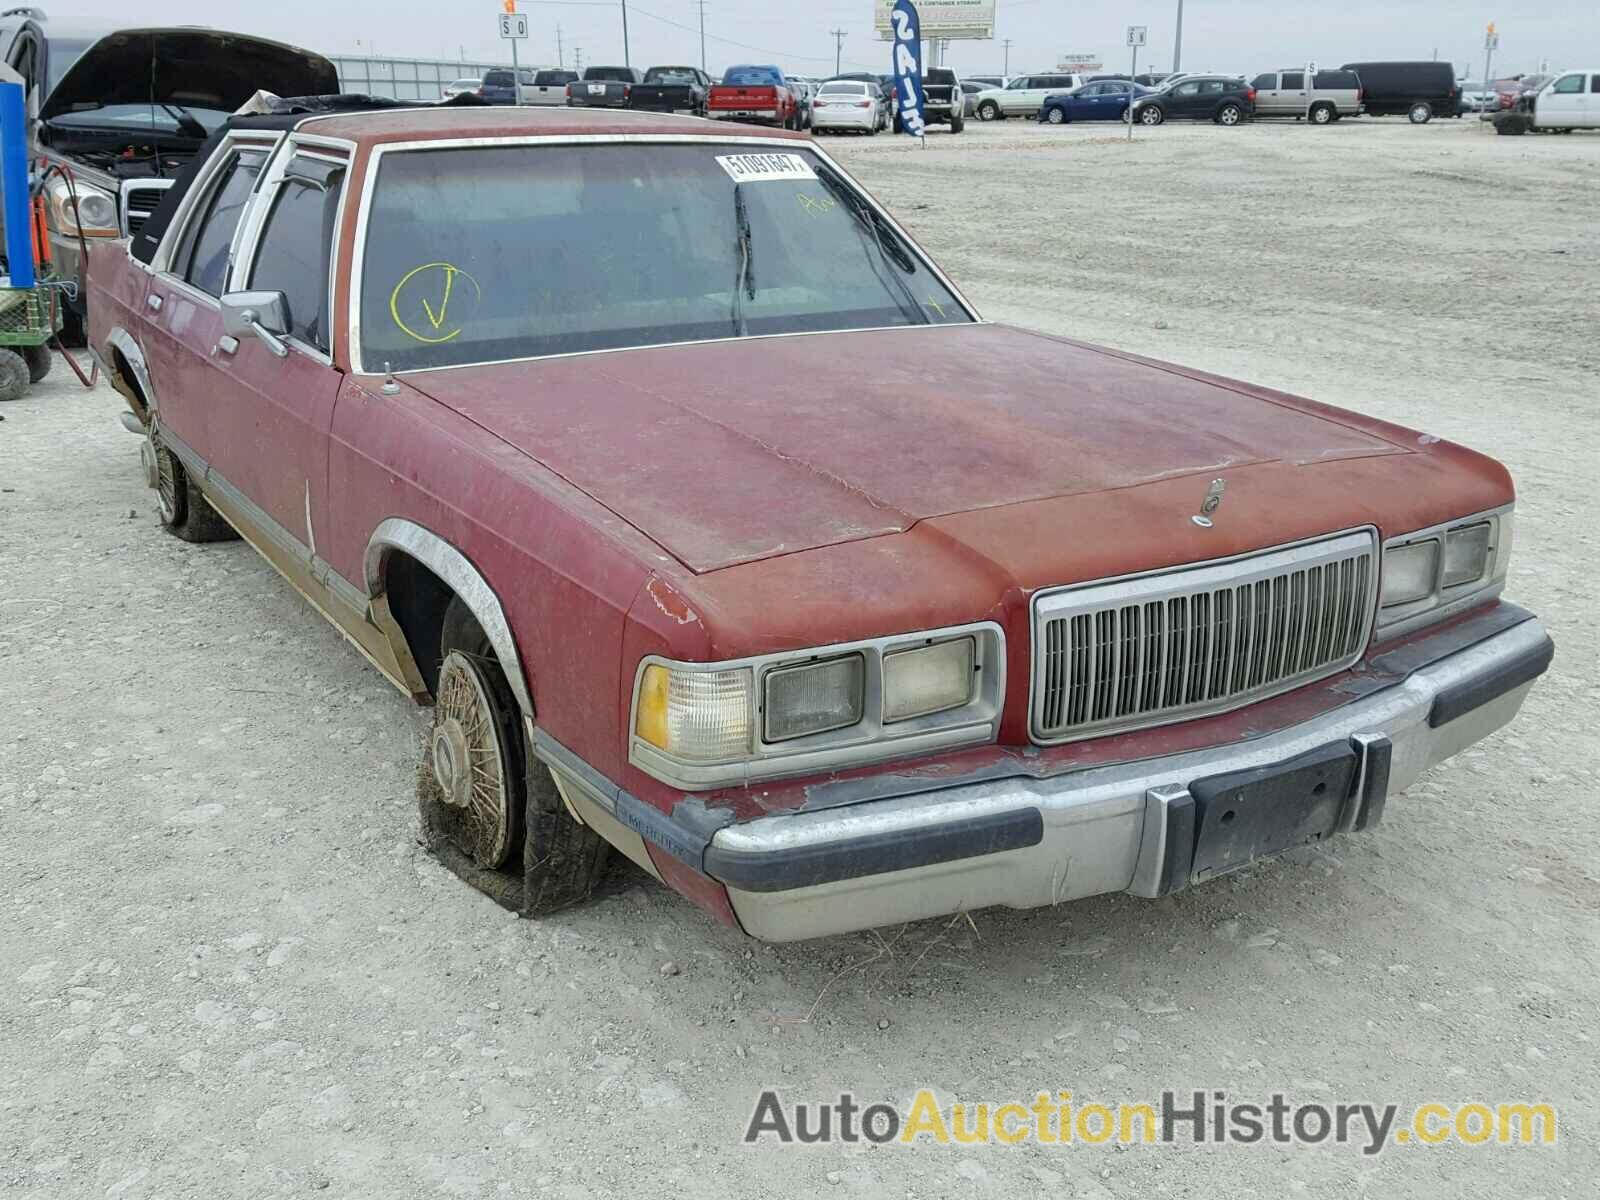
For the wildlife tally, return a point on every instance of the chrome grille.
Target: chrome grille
(1164, 647)
(140, 199)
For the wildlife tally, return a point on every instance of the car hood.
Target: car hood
(734, 451)
(201, 67)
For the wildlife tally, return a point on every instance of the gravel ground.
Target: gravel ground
(232, 972)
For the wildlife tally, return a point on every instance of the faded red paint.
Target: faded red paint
(745, 497)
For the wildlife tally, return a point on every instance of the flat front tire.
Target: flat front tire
(489, 810)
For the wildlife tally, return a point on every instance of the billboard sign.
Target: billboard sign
(1080, 63)
(956, 19)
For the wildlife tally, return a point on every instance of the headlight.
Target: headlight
(1410, 572)
(704, 725)
(813, 698)
(1432, 573)
(928, 680)
(94, 213)
(1466, 554)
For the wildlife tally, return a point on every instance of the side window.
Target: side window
(1569, 85)
(1265, 82)
(297, 246)
(1186, 89)
(203, 254)
(1294, 80)
(1016, 85)
(1214, 87)
(1594, 85)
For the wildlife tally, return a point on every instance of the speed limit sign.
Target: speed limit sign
(514, 25)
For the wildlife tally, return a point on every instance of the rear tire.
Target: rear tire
(1322, 114)
(490, 811)
(1229, 115)
(1420, 114)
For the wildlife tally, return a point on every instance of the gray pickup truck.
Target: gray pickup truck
(1332, 95)
(604, 87)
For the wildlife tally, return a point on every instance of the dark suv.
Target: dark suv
(1225, 99)
(500, 85)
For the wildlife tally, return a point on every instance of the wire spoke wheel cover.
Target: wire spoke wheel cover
(166, 484)
(470, 764)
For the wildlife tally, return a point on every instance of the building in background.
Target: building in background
(405, 78)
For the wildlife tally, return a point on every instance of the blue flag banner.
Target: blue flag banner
(907, 27)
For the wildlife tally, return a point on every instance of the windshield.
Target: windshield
(752, 77)
(157, 118)
(669, 75)
(468, 259)
(609, 75)
(551, 78)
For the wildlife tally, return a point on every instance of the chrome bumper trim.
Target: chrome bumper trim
(1104, 829)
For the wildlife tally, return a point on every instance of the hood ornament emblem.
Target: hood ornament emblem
(1210, 504)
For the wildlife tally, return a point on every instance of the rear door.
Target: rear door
(1267, 94)
(272, 413)
(1015, 100)
(183, 320)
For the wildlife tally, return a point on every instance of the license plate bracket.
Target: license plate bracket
(1256, 813)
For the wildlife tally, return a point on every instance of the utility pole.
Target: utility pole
(838, 49)
(577, 59)
(702, 6)
(1177, 42)
(1006, 70)
(626, 61)
(561, 58)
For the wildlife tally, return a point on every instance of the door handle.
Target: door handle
(153, 302)
(227, 344)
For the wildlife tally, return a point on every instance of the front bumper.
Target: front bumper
(1027, 842)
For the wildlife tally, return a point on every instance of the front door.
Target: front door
(1185, 100)
(1560, 105)
(183, 322)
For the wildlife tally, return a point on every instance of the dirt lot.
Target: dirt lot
(231, 971)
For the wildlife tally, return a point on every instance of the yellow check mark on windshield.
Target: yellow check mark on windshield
(436, 325)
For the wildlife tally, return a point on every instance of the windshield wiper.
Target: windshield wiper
(888, 262)
(187, 121)
(744, 283)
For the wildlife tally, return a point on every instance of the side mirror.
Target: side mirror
(264, 315)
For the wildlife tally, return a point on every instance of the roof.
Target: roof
(418, 124)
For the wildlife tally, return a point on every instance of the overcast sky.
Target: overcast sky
(1236, 35)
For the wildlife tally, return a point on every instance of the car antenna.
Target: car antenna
(391, 385)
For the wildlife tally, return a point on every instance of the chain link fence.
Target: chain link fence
(405, 78)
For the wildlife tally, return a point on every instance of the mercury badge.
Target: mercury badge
(1210, 504)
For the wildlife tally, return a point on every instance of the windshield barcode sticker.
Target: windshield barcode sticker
(748, 168)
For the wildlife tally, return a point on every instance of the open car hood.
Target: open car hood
(201, 67)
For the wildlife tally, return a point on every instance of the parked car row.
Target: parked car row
(1419, 91)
